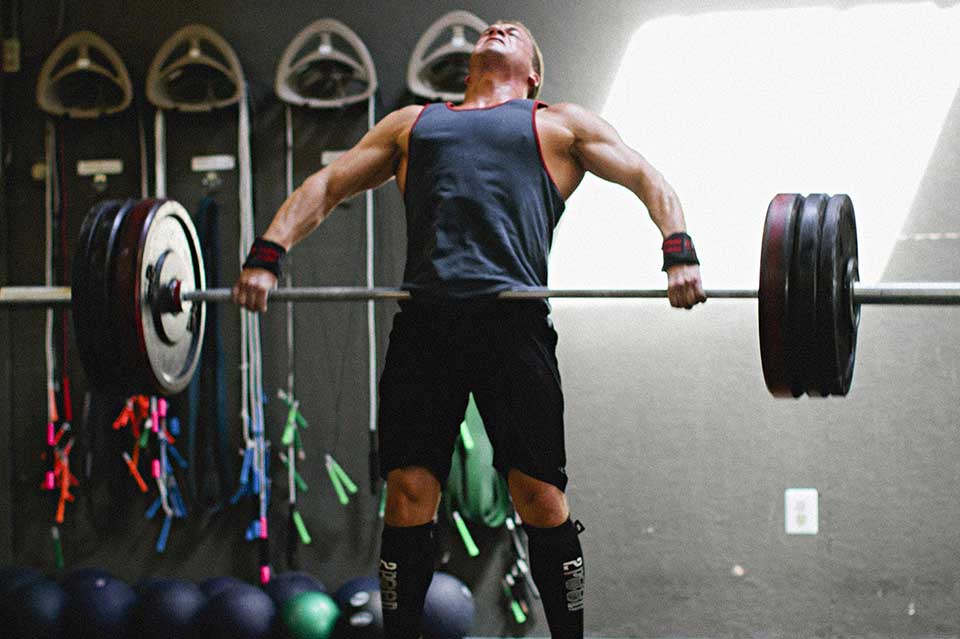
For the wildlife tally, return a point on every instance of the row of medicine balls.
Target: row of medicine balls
(90, 602)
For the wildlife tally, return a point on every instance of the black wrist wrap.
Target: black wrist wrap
(678, 249)
(267, 255)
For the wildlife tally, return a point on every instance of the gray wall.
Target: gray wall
(678, 464)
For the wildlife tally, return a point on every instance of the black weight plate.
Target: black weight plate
(111, 357)
(840, 319)
(93, 324)
(124, 303)
(80, 302)
(776, 253)
(801, 346)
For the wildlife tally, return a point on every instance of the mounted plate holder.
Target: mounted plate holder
(438, 71)
(326, 66)
(84, 77)
(195, 70)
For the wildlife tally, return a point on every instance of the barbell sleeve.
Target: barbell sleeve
(34, 295)
(907, 293)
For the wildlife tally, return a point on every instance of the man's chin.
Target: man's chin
(489, 45)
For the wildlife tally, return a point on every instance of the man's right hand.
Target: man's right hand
(252, 288)
(684, 288)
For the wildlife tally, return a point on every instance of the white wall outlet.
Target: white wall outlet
(801, 508)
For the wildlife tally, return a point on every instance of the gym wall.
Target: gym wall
(678, 458)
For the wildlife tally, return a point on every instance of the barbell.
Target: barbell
(138, 296)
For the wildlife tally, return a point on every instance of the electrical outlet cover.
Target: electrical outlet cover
(801, 511)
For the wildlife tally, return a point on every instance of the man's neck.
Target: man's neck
(489, 89)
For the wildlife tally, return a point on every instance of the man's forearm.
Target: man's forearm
(664, 206)
(302, 212)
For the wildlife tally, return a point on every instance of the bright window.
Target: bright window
(735, 107)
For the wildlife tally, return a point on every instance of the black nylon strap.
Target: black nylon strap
(266, 255)
(678, 249)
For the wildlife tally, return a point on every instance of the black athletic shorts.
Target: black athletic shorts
(504, 352)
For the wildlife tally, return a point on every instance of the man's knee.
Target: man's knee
(413, 494)
(539, 503)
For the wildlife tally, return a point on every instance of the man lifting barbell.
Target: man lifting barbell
(484, 185)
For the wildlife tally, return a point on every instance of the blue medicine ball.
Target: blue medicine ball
(167, 609)
(361, 616)
(449, 610)
(286, 585)
(215, 585)
(241, 612)
(12, 578)
(81, 578)
(36, 610)
(99, 609)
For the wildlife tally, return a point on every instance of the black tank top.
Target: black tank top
(481, 206)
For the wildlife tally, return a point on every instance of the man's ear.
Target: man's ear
(533, 80)
(466, 80)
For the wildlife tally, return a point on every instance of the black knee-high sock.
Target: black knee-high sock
(556, 563)
(406, 568)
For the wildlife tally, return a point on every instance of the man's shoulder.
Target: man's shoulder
(397, 124)
(409, 111)
(566, 108)
(402, 117)
(568, 113)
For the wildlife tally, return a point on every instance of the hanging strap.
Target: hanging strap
(373, 462)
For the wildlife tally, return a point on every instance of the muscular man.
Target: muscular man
(484, 184)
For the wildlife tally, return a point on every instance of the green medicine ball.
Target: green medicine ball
(310, 615)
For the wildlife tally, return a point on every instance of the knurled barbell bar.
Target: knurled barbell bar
(138, 292)
(894, 293)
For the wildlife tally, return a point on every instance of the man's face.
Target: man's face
(506, 39)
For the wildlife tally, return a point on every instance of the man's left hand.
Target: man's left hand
(684, 288)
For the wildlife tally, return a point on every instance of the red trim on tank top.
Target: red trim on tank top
(403, 189)
(536, 135)
(452, 107)
(412, 126)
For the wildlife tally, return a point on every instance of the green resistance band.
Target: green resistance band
(301, 527)
(468, 442)
(293, 404)
(297, 479)
(518, 614)
(295, 421)
(340, 480)
(472, 549)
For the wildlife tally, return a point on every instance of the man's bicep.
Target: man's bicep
(372, 161)
(363, 167)
(601, 151)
